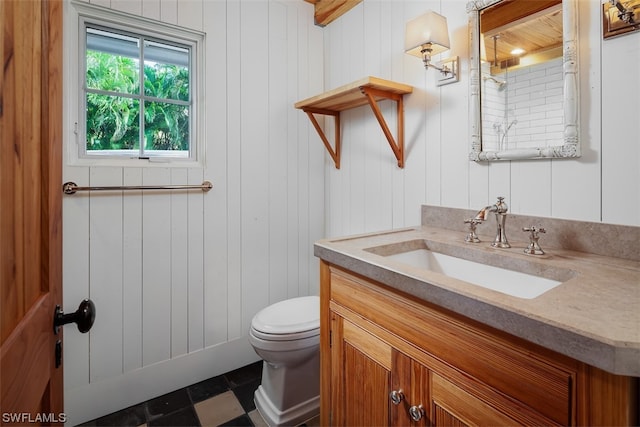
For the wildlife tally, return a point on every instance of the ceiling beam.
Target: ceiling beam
(327, 11)
(509, 11)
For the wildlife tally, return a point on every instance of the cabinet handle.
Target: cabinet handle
(416, 412)
(396, 396)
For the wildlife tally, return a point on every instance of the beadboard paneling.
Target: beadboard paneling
(183, 272)
(620, 117)
(132, 247)
(105, 278)
(177, 276)
(600, 186)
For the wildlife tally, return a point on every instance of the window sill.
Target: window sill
(136, 162)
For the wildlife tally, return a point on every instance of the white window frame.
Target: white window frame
(84, 13)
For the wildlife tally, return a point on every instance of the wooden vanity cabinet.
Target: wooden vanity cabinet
(448, 370)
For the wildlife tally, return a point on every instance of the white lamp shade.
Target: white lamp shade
(428, 28)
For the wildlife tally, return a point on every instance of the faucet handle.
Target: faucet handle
(501, 206)
(534, 234)
(472, 237)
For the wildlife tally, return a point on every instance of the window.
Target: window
(138, 97)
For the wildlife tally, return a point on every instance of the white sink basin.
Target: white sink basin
(510, 282)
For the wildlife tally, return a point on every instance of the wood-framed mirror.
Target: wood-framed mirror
(524, 104)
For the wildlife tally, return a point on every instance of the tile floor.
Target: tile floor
(225, 400)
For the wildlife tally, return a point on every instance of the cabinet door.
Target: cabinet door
(432, 400)
(360, 376)
(452, 406)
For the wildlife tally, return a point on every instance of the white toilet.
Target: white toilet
(286, 335)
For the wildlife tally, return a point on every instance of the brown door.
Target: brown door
(30, 210)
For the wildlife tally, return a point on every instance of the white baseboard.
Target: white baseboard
(106, 396)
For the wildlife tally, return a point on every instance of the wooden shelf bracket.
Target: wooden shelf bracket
(396, 147)
(369, 90)
(333, 152)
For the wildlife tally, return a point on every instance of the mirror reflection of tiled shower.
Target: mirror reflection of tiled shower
(522, 107)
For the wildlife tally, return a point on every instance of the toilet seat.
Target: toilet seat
(292, 319)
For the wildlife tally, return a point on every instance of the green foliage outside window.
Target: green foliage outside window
(113, 122)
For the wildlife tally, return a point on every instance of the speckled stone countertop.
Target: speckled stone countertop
(592, 316)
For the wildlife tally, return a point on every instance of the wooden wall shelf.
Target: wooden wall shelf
(368, 90)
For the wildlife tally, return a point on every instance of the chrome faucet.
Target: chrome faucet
(500, 209)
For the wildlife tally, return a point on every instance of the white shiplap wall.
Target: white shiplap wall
(370, 193)
(177, 276)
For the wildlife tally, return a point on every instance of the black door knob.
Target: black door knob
(83, 317)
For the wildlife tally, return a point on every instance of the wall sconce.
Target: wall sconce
(619, 18)
(428, 35)
(624, 14)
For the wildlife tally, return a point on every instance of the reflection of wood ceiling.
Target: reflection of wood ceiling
(532, 25)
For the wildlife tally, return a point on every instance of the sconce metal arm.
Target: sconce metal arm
(426, 59)
(444, 69)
